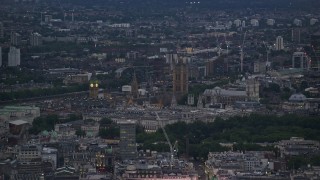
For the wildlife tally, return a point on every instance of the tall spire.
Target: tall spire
(173, 101)
(134, 86)
(200, 104)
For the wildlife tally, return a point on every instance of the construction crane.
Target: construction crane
(241, 52)
(173, 149)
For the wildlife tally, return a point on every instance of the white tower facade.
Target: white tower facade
(237, 22)
(14, 57)
(190, 99)
(35, 39)
(253, 89)
(243, 24)
(270, 22)
(254, 22)
(297, 22)
(15, 39)
(313, 21)
(279, 43)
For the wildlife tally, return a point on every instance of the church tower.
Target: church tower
(180, 78)
(94, 89)
(134, 86)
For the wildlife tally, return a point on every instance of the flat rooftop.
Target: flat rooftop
(18, 122)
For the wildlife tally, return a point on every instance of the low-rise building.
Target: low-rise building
(26, 113)
(240, 165)
(91, 129)
(77, 78)
(298, 146)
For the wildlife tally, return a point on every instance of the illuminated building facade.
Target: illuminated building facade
(128, 148)
(94, 89)
(104, 159)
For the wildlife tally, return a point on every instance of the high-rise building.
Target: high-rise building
(15, 39)
(254, 22)
(300, 60)
(295, 36)
(13, 57)
(243, 24)
(47, 18)
(297, 22)
(35, 39)
(1, 30)
(253, 89)
(29, 160)
(237, 22)
(270, 22)
(190, 99)
(315, 55)
(128, 148)
(279, 43)
(180, 78)
(0, 56)
(313, 21)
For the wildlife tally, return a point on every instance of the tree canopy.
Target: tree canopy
(244, 131)
(47, 122)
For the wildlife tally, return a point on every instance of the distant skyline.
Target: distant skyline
(301, 4)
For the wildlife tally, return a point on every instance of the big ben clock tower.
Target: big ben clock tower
(94, 89)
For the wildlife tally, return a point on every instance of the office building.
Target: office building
(243, 24)
(295, 36)
(300, 60)
(254, 22)
(15, 39)
(270, 22)
(279, 43)
(29, 160)
(128, 148)
(13, 57)
(297, 146)
(237, 22)
(253, 89)
(313, 21)
(47, 18)
(297, 22)
(35, 39)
